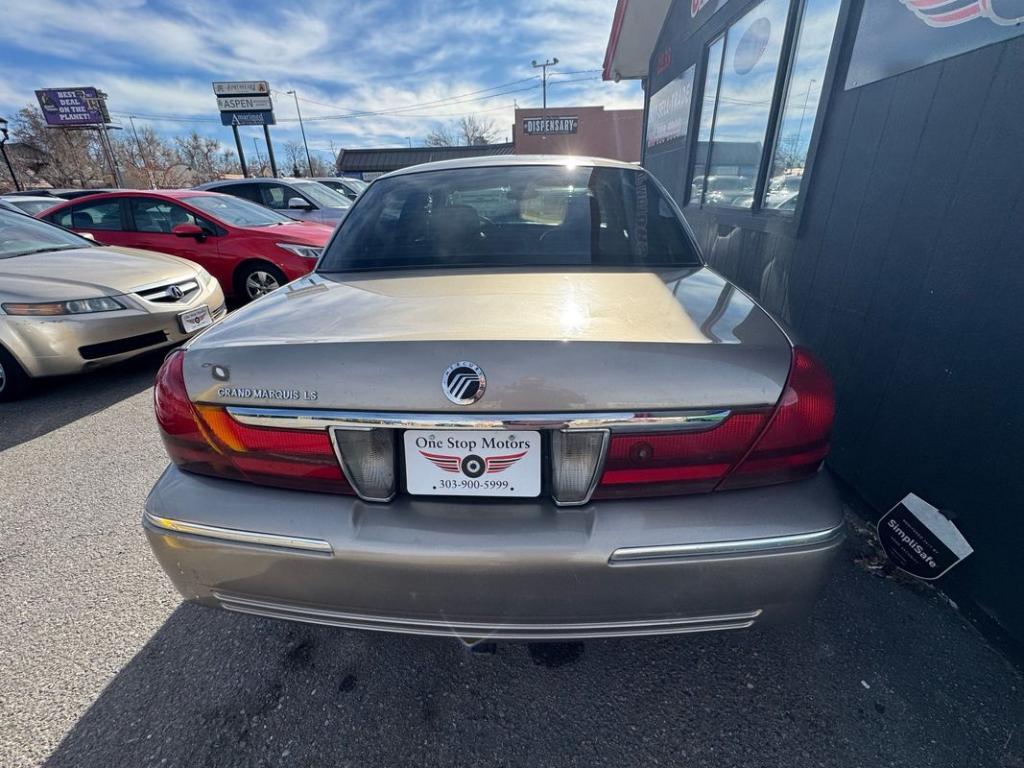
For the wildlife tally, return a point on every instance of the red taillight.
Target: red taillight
(676, 462)
(748, 449)
(205, 439)
(796, 439)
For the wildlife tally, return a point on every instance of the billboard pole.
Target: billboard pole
(108, 149)
(270, 151)
(238, 145)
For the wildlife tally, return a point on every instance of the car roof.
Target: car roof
(10, 207)
(174, 194)
(34, 198)
(497, 161)
(260, 180)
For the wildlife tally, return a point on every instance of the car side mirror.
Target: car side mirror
(188, 230)
(88, 236)
(299, 203)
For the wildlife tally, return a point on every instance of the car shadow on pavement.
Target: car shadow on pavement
(54, 402)
(879, 675)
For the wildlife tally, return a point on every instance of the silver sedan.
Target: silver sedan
(68, 305)
(511, 402)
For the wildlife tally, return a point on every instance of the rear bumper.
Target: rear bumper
(503, 571)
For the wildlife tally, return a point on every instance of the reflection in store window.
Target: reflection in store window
(817, 27)
(749, 69)
(669, 112)
(707, 117)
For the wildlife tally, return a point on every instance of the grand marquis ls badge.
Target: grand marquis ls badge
(463, 382)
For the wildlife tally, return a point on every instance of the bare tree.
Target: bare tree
(476, 131)
(73, 158)
(294, 158)
(148, 160)
(467, 131)
(204, 157)
(441, 136)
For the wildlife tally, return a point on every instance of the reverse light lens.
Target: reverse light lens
(305, 251)
(205, 439)
(576, 456)
(368, 460)
(74, 307)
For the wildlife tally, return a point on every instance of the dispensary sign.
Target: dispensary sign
(63, 107)
(551, 125)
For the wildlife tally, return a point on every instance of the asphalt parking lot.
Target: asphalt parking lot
(101, 664)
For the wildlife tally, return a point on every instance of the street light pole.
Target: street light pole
(544, 76)
(3, 150)
(302, 128)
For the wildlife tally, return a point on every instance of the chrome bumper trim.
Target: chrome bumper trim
(475, 631)
(238, 536)
(300, 418)
(719, 548)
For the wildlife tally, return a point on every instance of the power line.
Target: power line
(573, 80)
(398, 110)
(435, 102)
(185, 119)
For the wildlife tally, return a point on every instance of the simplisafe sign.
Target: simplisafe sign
(921, 540)
(550, 125)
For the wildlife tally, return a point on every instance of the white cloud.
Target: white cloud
(368, 56)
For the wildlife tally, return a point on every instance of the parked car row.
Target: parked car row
(100, 275)
(68, 305)
(251, 250)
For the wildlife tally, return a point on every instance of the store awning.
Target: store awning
(634, 33)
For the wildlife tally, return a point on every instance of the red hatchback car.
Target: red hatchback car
(251, 250)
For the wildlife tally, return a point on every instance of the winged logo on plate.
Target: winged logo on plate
(473, 465)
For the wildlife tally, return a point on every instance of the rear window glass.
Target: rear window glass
(508, 216)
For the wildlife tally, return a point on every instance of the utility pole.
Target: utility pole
(302, 128)
(544, 76)
(3, 150)
(142, 155)
(256, 149)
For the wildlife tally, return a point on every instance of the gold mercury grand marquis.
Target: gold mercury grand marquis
(69, 305)
(511, 402)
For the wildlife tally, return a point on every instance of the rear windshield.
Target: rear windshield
(322, 195)
(509, 216)
(236, 211)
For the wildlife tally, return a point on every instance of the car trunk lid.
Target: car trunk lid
(548, 340)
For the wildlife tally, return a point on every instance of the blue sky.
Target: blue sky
(156, 60)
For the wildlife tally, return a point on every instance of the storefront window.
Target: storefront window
(814, 42)
(749, 69)
(707, 117)
(670, 110)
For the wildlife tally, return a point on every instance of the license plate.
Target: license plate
(195, 319)
(472, 463)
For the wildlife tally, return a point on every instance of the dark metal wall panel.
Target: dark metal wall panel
(906, 274)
